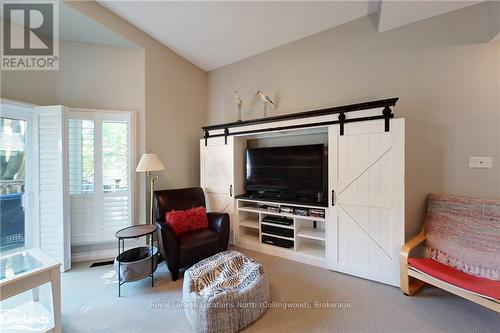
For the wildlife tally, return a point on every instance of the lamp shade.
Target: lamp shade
(149, 162)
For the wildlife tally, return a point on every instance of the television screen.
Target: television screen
(292, 169)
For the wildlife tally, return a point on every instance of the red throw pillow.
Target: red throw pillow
(182, 221)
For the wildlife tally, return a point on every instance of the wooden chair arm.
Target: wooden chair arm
(410, 245)
(409, 285)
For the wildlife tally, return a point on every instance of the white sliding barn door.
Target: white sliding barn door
(217, 170)
(367, 177)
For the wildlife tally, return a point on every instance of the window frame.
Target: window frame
(28, 113)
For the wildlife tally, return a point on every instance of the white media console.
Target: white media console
(307, 233)
(363, 226)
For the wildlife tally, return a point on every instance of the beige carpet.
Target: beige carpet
(91, 304)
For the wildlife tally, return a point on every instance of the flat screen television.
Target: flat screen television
(288, 171)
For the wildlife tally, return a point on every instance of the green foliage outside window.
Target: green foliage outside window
(12, 155)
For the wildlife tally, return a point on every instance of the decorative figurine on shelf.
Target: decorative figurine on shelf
(266, 99)
(239, 103)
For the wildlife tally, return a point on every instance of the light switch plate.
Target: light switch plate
(481, 162)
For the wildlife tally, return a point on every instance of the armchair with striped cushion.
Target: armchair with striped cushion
(461, 238)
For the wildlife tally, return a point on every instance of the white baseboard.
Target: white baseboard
(90, 253)
(94, 255)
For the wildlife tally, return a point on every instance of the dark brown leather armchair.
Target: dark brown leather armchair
(190, 247)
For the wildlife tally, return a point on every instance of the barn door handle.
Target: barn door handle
(230, 190)
(333, 197)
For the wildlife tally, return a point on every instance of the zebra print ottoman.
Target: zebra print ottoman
(225, 293)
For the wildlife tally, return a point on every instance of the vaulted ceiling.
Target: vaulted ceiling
(77, 27)
(212, 34)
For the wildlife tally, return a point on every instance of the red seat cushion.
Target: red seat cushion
(448, 274)
(182, 221)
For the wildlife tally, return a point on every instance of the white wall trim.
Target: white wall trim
(109, 252)
(13, 102)
(93, 255)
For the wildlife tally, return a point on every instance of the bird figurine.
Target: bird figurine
(266, 99)
(239, 103)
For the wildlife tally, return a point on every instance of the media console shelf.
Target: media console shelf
(307, 232)
(362, 230)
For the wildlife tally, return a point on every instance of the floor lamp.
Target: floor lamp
(150, 162)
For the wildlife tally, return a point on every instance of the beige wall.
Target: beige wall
(112, 78)
(101, 77)
(175, 97)
(444, 70)
(28, 86)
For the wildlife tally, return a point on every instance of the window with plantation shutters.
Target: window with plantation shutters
(114, 156)
(99, 175)
(81, 156)
(115, 180)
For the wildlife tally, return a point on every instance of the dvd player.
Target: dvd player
(277, 220)
(277, 241)
(279, 231)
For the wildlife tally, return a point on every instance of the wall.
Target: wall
(28, 86)
(101, 77)
(444, 69)
(113, 78)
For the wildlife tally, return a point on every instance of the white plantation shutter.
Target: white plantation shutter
(115, 213)
(99, 160)
(83, 219)
(80, 154)
(115, 169)
(54, 233)
(75, 158)
(81, 180)
(115, 155)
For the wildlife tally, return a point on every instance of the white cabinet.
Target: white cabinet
(367, 182)
(217, 173)
(307, 234)
(219, 161)
(364, 226)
